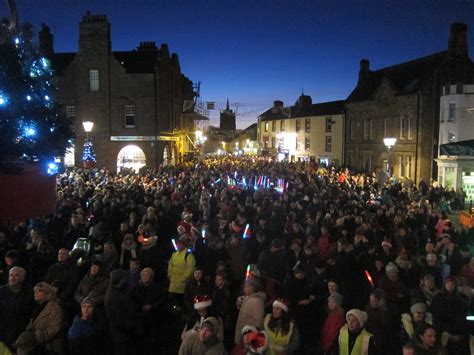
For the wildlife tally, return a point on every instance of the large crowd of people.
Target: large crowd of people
(239, 256)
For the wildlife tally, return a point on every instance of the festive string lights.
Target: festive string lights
(33, 128)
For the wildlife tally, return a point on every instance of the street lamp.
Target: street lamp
(389, 143)
(88, 125)
(88, 155)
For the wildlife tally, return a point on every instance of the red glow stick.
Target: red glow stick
(369, 277)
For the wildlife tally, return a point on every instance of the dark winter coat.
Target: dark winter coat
(15, 312)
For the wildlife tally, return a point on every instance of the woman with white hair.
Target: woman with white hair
(43, 331)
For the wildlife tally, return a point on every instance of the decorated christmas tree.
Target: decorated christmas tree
(31, 124)
(88, 154)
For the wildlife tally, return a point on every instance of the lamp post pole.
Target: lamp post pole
(389, 143)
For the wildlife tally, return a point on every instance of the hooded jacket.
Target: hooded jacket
(251, 312)
(193, 345)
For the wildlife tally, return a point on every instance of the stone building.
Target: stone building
(303, 131)
(402, 101)
(134, 98)
(227, 119)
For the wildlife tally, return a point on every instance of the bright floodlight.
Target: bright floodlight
(198, 134)
(88, 126)
(389, 142)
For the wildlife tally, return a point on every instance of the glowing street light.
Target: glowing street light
(88, 125)
(389, 143)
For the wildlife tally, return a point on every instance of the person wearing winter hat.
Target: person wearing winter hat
(281, 330)
(87, 330)
(121, 313)
(255, 340)
(413, 320)
(353, 338)
(333, 323)
(94, 284)
(202, 309)
(204, 341)
(251, 306)
(180, 268)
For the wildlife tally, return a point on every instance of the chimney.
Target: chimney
(457, 46)
(147, 47)
(94, 35)
(278, 104)
(46, 42)
(364, 71)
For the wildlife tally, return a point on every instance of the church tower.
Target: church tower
(227, 119)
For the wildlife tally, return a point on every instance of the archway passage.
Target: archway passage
(130, 157)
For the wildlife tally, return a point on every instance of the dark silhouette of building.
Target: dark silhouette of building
(402, 101)
(135, 98)
(227, 119)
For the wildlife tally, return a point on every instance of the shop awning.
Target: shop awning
(464, 148)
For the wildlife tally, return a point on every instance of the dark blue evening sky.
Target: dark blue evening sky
(257, 51)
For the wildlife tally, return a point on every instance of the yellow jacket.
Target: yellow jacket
(361, 346)
(180, 267)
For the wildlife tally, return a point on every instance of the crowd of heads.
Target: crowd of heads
(313, 240)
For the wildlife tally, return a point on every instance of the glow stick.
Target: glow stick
(369, 277)
(247, 273)
(246, 230)
(174, 244)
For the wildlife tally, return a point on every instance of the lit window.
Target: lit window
(71, 111)
(94, 80)
(266, 126)
(129, 116)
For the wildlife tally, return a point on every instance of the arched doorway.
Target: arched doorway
(130, 157)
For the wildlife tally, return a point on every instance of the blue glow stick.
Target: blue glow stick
(174, 244)
(246, 230)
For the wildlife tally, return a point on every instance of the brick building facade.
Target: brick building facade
(135, 98)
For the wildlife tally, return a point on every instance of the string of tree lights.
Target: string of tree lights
(32, 125)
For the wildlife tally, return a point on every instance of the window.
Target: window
(71, 111)
(405, 165)
(367, 161)
(266, 126)
(328, 124)
(307, 125)
(298, 144)
(282, 125)
(273, 142)
(265, 142)
(94, 80)
(367, 129)
(405, 128)
(129, 116)
(328, 144)
(452, 112)
(274, 125)
(352, 130)
(307, 144)
(298, 125)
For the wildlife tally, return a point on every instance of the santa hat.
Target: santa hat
(282, 304)
(201, 302)
(184, 228)
(256, 340)
(386, 243)
(360, 315)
